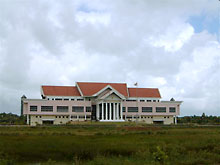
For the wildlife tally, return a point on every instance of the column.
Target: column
(85, 117)
(97, 111)
(106, 111)
(118, 109)
(121, 112)
(27, 119)
(113, 111)
(175, 119)
(102, 111)
(110, 108)
(70, 117)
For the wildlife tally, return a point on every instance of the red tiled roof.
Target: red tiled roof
(144, 92)
(60, 91)
(90, 88)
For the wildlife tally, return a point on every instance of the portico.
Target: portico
(109, 111)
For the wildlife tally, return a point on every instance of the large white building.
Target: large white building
(104, 102)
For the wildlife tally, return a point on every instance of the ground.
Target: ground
(110, 143)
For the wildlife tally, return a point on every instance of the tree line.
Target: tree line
(203, 119)
(13, 119)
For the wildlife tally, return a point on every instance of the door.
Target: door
(93, 112)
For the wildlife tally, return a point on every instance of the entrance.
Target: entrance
(93, 112)
(158, 122)
(48, 122)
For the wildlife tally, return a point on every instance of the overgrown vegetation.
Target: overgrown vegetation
(203, 119)
(12, 119)
(111, 143)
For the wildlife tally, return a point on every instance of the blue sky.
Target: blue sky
(204, 22)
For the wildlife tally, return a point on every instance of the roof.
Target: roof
(91, 88)
(144, 92)
(60, 91)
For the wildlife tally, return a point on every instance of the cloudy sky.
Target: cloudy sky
(169, 44)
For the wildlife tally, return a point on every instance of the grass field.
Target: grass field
(110, 143)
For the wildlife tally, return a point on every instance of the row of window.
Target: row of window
(88, 109)
(60, 109)
(150, 109)
(144, 100)
(142, 117)
(65, 99)
(73, 117)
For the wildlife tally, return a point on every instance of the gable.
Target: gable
(90, 88)
(113, 96)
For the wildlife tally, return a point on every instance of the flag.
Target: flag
(136, 84)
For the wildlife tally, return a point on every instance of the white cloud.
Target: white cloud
(150, 42)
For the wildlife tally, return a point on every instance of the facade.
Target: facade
(104, 102)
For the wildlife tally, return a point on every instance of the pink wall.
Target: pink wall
(153, 105)
(55, 103)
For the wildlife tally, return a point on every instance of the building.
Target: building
(104, 102)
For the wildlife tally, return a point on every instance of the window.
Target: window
(124, 109)
(58, 99)
(172, 109)
(148, 100)
(80, 99)
(161, 109)
(74, 117)
(130, 100)
(142, 100)
(72, 99)
(88, 116)
(33, 108)
(146, 109)
(81, 117)
(62, 108)
(66, 99)
(132, 109)
(154, 100)
(77, 109)
(88, 109)
(46, 108)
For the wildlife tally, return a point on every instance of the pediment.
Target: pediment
(110, 94)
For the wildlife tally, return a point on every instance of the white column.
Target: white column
(175, 119)
(27, 119)
(113, 111)
(118, 109)
(70, 117)
(121, 111)
(106, 111)
(97, 112)
(85, 117)
(102, 111)
(110, 108)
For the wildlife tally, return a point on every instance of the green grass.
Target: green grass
(110, 143)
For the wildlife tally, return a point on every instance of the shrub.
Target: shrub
(159, 155)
